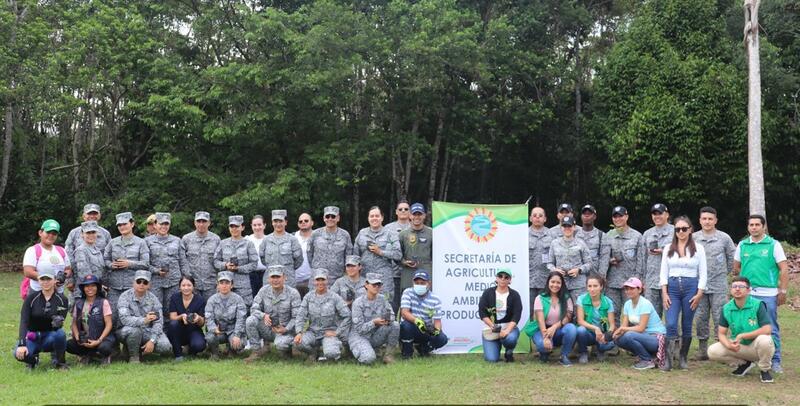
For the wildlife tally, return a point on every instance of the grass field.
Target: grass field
(440, 379)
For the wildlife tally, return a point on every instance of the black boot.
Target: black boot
(686, 342)
(671, 344)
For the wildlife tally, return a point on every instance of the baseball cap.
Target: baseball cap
(373, 278)
(568, 221)
(47, 272)
(320, 273)
(162, 218)
(353, 260)
(590, 208)
(619, 211)
(659, 207)
(565, 206)
(88, 280)
(417, 208)
(91, 208)
(422, 275)
(633, 282)
(506, 271)
(50, 225)
(202, 215)
(235, 220)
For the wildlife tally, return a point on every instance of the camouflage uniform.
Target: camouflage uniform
(227, 313)
(323, 312)
(200, 258)
(381, 264)
(538, 255)
(625, 245)
(719, 258)
(166, 253)
(328, 251)
(596, 242)
(416, 245)
(654, 237)
(555, 232)
(567, 254)
(245, 253)
(87, 260)
(282, 308)
(345, 286)
(74, 238)
(135, 250)
(281, 250)
(365, 337)
(398, 227)
(133, 331)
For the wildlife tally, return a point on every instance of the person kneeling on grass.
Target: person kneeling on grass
(226, 313)
(272, 316)
(550, 326)
(328, 321)
(500, 309)
(373, 324)
(92, 323)
(186, 310)
(40, 322)
(142, 328)
(749, 324)
(421, 311)
(596, 320)
(641, 330)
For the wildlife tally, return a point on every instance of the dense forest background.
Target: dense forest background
(247, 106)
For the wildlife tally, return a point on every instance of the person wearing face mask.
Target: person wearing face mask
(596, 320)
(539, 240)
(500, 309)
(421, 313)
(272, 316)
(238, 256)
(40, 322)
(92, 323)
(142, 327)
(200, 246)
(124, 255)
(167, 260)
(281, 248)
(225, 316)
(416, 242)
(570, 257)
(373, 324)
(257, 238)
(329, 246)
(45, 256)
(186, 311)
(378, 247)
(328, 321)
(88, 258)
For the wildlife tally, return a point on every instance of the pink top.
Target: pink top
(555, 310)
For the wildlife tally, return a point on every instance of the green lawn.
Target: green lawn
(441, 379)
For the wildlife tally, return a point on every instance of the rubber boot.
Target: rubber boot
(702, 350)
(683, 362)
(671, 344)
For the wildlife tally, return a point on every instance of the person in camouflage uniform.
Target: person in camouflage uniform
(167, 260)
(329, 246)
(592, 236)
(142, 326)
(281, 248)
(378, 247)
(88, 257)
(564, 209)
(373, 324)
(654, 240)
(570, 257)
(328, 321)
(237, 255)
(539, 240)
(225, 316)
(351, 286)
(91, 212)
(623, 259)
(123, 256)
(272, 315)
(200, 246)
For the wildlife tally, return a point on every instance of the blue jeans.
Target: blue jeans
(410, 335)
(48, 341)
(680, 291)
(180, 334)
(564, 337)
(772, 309)
(491, 349)
(644, 345)
(586, 338)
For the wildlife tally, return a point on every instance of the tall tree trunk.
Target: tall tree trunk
(755, 166)
(77, 141)
(8, 145)
(437, 143)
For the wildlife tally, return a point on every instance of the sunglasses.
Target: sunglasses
(403, 209)
(330, 216)
(682, 229)
(503, 276)
(142, 282)
(739, 286)
(303, 221)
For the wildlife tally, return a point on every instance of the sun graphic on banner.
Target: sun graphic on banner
(480, 225)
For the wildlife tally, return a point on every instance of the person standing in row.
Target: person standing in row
(539, 241)
(200, 246)
(719, 259)
(403, 222)
(272, 316)
(151, 225)
(124, 255)
(91, 212)
(257, 277)
(239, 257)
(762, 260)
(328, 321)
(329, 246)
(373, 324)
(653, 240)
(167, 260)
(351, 286)
(591, 236)
(305, 225)
(623, 261)
(226, 314)
(281, 248)
(141, 325)
(88, 258)
(46, 256)
(416, 242)
(570, 257)
(564, 209)
(378, 247)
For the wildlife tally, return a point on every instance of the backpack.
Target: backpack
(26, 282)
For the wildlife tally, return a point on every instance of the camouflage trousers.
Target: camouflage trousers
(710, 305)
(617, 297)
(363, 347)
(257, 330)
(134, 338)
(656, 298)
(331, 346)
(215, 340)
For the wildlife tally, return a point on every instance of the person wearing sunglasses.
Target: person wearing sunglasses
(200, 246)
(570, 257)
(683, 280)
(40, 323)
(328, 321)
(403, 214)
(622, 261)
(500, 309)
(745, 333)
(226, 315)
(539, 240)
(272, 316)
(237, 255)
(281, 248)
(92, 323)
(329, 246)
(373, 324)
(123, 256)
(305, 225)
(653, 241)
(416, 242)
(141, 322)
(167, 260)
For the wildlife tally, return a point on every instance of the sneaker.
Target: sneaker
(642, 365)
(742, 369)
(766, 377)
(565, 361)
(583, 358)
(179, 359)
(777, 368)
(509, 357)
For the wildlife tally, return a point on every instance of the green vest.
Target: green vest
(742, 320)
(532, 326)
(758, 263)
(588, 311)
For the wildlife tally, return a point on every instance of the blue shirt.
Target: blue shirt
(595, 317)
(197, 305)
(427, 307)
(654, 325)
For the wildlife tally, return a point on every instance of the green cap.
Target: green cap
(504, 270)
(51, 225)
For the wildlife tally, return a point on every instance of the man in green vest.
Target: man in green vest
(761, 259)
(750, 329)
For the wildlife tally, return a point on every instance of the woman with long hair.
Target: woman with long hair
(553, 310)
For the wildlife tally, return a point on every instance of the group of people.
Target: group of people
(319, 292)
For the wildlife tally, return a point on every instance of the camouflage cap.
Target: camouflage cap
(202, 215)
(91, 208)
(89, 227)
(124, 218)
(162, 218)
(235, 220)
(279, 214)
(373, 278)
(331, 210)
(353, 260)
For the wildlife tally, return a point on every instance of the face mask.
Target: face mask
(420, 289)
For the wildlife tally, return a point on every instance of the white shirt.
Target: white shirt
(50, 259)
(686, 267)
(304, 272)
(257, 242)
(502, 304)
